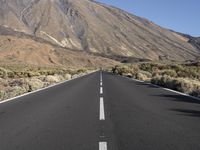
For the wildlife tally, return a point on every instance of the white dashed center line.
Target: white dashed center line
(102, 112)
(102, 145)
(101, 90)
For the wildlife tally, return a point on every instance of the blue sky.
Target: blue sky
(179, 15)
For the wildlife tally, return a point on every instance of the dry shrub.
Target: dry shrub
(143, 75)
(53, 79)
(2, 93)
(3, 73)
(184, 85)
(125, 70)
(76, 76)
(121, 70)
(3, 83)
(12, 92)
(169, 72)
(181, 77)
(67, 76)
(33, 84)
(83, 70)
(16, 80)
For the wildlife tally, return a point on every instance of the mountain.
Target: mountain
(19, 48)
(93, 27)
(195, 41)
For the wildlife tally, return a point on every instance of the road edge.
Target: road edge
(166, 89)
(42, 89)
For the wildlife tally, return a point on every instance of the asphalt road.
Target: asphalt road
(87, 114)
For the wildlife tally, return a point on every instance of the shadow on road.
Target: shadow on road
(147, 85)
(179, 98)
(187, 112)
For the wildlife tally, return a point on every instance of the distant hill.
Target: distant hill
(195, 41)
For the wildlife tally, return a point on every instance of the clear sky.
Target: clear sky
(179, 15)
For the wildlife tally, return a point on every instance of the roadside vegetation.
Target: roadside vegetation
(180, 77)
(17, 80)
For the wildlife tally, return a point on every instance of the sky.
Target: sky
(179, 15)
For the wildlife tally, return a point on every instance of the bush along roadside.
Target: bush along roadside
(23, 81)
(184, 78)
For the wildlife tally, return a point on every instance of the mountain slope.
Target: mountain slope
(94, 27)
(19, 48)
(195, 41)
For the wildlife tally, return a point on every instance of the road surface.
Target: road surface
(101, 112)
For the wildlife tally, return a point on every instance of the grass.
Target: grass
(180, 77)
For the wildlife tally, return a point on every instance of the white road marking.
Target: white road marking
(101, 76)
(102, 145)
(174, 91)
(102, 112)
(101, 90)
